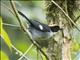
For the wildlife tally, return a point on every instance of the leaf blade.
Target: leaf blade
(4, 35)
(4, 56)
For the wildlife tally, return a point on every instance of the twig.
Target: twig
(77, 18)
(39, 48)
(37, 53)
(16, 14)
(19, 51)
(7, 8)
(11, 25)
(22, 27)
(66, 15)
(41, 55)
(26, 52)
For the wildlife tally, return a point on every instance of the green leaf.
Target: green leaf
(4, 56)
(0, 25)
(4, 35)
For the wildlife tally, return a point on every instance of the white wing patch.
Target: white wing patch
(41, 27)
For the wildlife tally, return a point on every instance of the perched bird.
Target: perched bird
(39, 31)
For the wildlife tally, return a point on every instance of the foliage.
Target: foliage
(4, 56)
(4, 35)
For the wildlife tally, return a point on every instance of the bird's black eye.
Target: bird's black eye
(55, 28)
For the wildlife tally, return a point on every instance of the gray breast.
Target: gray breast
(36, 34)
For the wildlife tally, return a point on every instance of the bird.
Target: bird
(38, 30)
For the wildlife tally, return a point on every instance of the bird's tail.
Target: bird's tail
(23, 16)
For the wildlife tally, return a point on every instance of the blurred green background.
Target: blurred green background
(33, 10)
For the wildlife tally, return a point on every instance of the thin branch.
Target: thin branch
(19, 51)
(24, 29)
(7, 8)
(16, 14)
(66, 15)
(37, 53)
(77, 18)
(41, 55)
(11, 25)
(26, 52)
(39, 48)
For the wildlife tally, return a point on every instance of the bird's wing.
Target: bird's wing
(40, 26)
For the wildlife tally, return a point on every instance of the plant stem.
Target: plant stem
(26, 52)
(16, 14)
